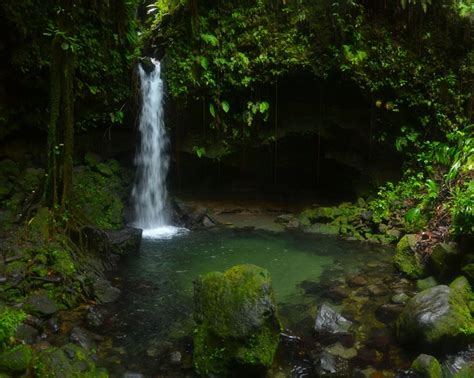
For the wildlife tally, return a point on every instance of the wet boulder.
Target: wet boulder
(237, 323)
(330, 365)
(125, 241)
(406, 259)
(436, 318)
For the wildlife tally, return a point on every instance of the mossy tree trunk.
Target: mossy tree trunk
(58, 187)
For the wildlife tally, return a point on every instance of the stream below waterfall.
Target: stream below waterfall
(150, 327)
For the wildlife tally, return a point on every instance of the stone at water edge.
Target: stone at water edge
(436, 318)
(426, 283)
(427, 366)
(407, 260)
(237, 321)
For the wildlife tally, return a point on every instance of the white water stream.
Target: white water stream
(149, 191)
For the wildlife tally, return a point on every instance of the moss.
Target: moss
(68, 361)
(406, 260)
(427, 366)
(99, 197)
(10, 319)
(461, 286)
(16, 360)
(426, 283)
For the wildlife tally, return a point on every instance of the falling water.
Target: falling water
(149, 192)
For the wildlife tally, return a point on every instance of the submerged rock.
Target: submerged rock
(427, 366)
(237, 322)
(332, 365)
(329, 321)
(436, 318)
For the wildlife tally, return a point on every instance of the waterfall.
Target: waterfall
(149, 192)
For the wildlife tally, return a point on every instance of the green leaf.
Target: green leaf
(413, 215)
(212, 110)
(263, 107)
(64, 45)
(204, 62)
(225, 106)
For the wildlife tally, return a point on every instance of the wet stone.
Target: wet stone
(376, 290)
(132, 375)
(357, 281)
(95, 317)
(82, 338)
(52, 325)
(329, 321)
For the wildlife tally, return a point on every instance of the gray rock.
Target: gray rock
(130, 374)
(95, 317)
(435, 318)
(26, 333)
(126, 241)
(329, 321)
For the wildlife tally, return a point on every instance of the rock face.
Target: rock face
(436, 318)
(237, 321)
(406, 260)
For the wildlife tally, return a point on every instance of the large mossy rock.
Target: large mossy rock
(407, 260)
(237, 322)
(436, 318)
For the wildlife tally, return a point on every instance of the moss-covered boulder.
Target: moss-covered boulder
(462, 287)
(16, 360)
(407, 260)
(436, 318)
(427, 366)
(237, 322)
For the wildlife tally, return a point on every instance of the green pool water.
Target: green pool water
(154, 311)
